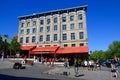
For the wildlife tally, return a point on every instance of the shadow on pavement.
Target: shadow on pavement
(7, 77)
(80, 75)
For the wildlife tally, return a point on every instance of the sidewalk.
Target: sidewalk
(55, 72)
(83, 74)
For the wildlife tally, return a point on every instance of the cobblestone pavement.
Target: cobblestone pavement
(35, 72)
(43, 72)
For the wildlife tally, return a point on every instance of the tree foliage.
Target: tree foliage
(14, 47)
(113, 49)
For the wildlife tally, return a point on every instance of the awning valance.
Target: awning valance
(69, 50)
(27, 47)
(46, 49)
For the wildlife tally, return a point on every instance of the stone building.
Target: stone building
(60, 32)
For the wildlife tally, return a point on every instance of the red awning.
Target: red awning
(69, 50)
(27, 47)
(44, 50)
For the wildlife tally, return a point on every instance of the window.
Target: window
(55, 37)
(81, 35)
(80, 25)
(80, 17)
(63, 27)
(5, 40)
(28, 24)
(81, 44)
(48, 38)
(33, 39)
(72, 36)
(22, 24)
(22, 32)
(71, 18)
(48, 21)
(41, 38)
(41, 29)
(41, 22)
(21, 40)
(34, 30)
(65, 45)
(73, 45)
(55, 27)
(63, 19)
(34, 23)
(64, 37)
(28, 31)
(72, 26)
(27, 39)
(55, 20)
(1, 39)
(48, 28)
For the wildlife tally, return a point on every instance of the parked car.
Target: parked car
(106, 63)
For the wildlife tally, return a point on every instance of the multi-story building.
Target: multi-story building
(4, 41)
(65, 28)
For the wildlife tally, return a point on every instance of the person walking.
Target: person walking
(114, 72)
(76, 66)
(2, 56)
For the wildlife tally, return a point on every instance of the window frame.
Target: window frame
(55, 37)
(55, 20)
(64, 27)
(55, 27)
(48, 21)
(81, 35)
(80, 16)
(27, 39)
(72, 18)
(72, 26)
(41, 29)
(33, 39)
(28, 31)
(34, 30)
(72, 36)
(41, 38)
(34, 23)
(48, 37)
(80, 25)
(64, 36)
(64, 19)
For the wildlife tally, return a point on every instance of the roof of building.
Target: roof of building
(54, 12)
(5, 37)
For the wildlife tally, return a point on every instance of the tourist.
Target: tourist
(76, 66)
(114, 72)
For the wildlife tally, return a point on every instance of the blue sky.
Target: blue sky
(103, 17)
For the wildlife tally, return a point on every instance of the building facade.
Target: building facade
(63, 28)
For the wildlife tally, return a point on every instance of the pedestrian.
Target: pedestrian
(2, 56)
(66, 63)
(114, 72)
(76, 66)
(86, 64)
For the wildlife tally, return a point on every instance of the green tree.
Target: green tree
(114, 49)
(99, 54)
(14, 47)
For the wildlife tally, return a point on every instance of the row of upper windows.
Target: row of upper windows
(66, 45)
(73, 45)
(55, 37)
(49, 20)
(55, 28)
